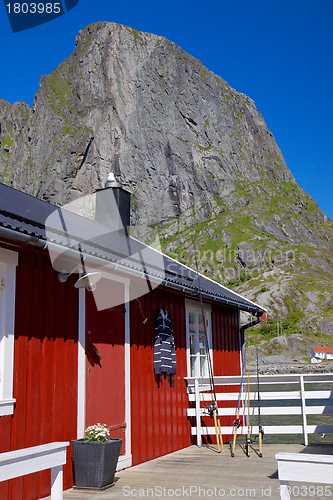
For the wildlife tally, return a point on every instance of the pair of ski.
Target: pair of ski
(237, 422)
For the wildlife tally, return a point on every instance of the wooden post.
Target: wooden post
(261, 431)
(284, 490)
(248, 438)
(305, 428)
(57, 483)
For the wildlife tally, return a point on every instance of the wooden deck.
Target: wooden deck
(201, 472)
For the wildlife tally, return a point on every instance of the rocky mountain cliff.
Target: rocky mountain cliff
(197, 156)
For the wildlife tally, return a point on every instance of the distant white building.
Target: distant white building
(321, 353)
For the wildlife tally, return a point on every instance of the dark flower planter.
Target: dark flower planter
(95, 463)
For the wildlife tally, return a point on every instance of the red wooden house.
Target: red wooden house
(70, 357)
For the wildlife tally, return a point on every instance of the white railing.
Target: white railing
(307, 469)
(28, 460)
(196, 388)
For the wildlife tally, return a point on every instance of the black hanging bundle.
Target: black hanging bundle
(164, 345)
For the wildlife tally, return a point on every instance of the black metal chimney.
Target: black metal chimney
(113, 206)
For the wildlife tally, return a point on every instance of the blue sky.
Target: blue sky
(278, 52)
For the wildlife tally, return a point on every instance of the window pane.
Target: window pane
(192, 322)
(193, 363)
(201, 324)
(203, 366)
(193, 343)
(197, 341)
(202, 345)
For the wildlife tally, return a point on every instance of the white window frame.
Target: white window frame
(195, 306)
(9, 262)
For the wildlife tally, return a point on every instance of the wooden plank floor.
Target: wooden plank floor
(198, 473)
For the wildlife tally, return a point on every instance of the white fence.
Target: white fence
(305, 468)
(197, 386)
(37, 458)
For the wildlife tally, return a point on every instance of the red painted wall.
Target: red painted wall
(45, 370)
(226, 358)
(225, 337)
(159, 419)
(159, 403)
(105, 364)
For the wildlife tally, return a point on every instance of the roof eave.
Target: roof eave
(251, 308)
(40, 243)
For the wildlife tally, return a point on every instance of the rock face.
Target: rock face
(196, 154)
(13, 121)
(139, 105)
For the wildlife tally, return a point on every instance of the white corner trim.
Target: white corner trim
(124, 461)
(196, 305)
(8, 256)
(81, 360)
(8, 263)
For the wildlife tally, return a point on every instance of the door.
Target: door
(105, 365)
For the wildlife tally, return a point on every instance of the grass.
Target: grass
(137, 37)
(7, 142)
(59, 86)
(236, 222)
(202, 148)
(237, 230)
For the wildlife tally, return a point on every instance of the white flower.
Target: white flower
(97, 432)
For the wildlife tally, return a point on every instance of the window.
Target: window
(8, 263)
(197, 362)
